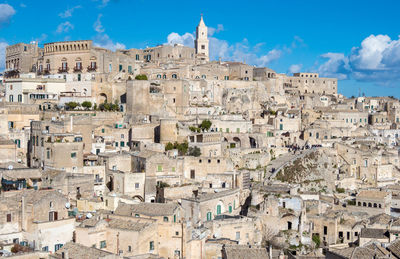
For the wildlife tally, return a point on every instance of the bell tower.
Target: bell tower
(201, 41)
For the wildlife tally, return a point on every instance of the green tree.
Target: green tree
(205, 125)
(194, 151)
(71, 105)
(87, 105)
(182, 148)
(169, 146)
(95, 106)
(141, 77)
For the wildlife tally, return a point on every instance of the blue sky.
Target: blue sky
(356, 41)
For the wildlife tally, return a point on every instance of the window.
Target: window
(165, 219)
(218, 209)
(122, 144)
(58, 247)
(137, 215)
(45, 249)
(120, 68)
(9, 217)
(109, 67)
(174, 218)
(159, 168)
(79, 77)
(238, 235)
(192, 174)
(137, 57)
(230, 208)
(203, 46)
(137, 185)
(53, 215)
(102, 130)
(11, 98)
(209, 215)
(73, 154)
(18, 143)
(151, 244)
(129, 69)
(325, 230)
(20, 98)
(209, 161)
(103, 244)
(48, 153)
(129, 249)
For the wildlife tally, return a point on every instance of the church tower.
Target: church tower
(201, 41)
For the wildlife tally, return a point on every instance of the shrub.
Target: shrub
(340, 190)
(194, 151)
(316, 240)
(71, 105)
(87, 105)
(141, 77)
(169, 146)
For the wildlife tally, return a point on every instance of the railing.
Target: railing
(63, 69)
(77, 69)
(46, 72)
(91, 69)
(11, 73)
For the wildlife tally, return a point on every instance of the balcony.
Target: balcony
(11, 73)
(63, 69)
(91, 68)
(77, 69)
(46, 72)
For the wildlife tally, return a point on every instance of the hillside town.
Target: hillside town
(163, 153)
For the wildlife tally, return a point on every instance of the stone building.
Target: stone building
(39, 219)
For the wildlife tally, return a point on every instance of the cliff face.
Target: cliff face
(314, 171)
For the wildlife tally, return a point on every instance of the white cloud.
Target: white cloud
(241, 51)
(337, 65)
(97, 26)
(3, 46)
(68, 13)
(103, 3)
(376, 60)
(186, 39)
(6, 12)
(295, 68)
(212, 30)
(22, 5)
(104, 41)
(64, 27)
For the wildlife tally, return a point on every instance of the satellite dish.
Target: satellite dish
(67, 205)
(89, 215)
(10, 167)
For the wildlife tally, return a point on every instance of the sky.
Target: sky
(355, 41)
